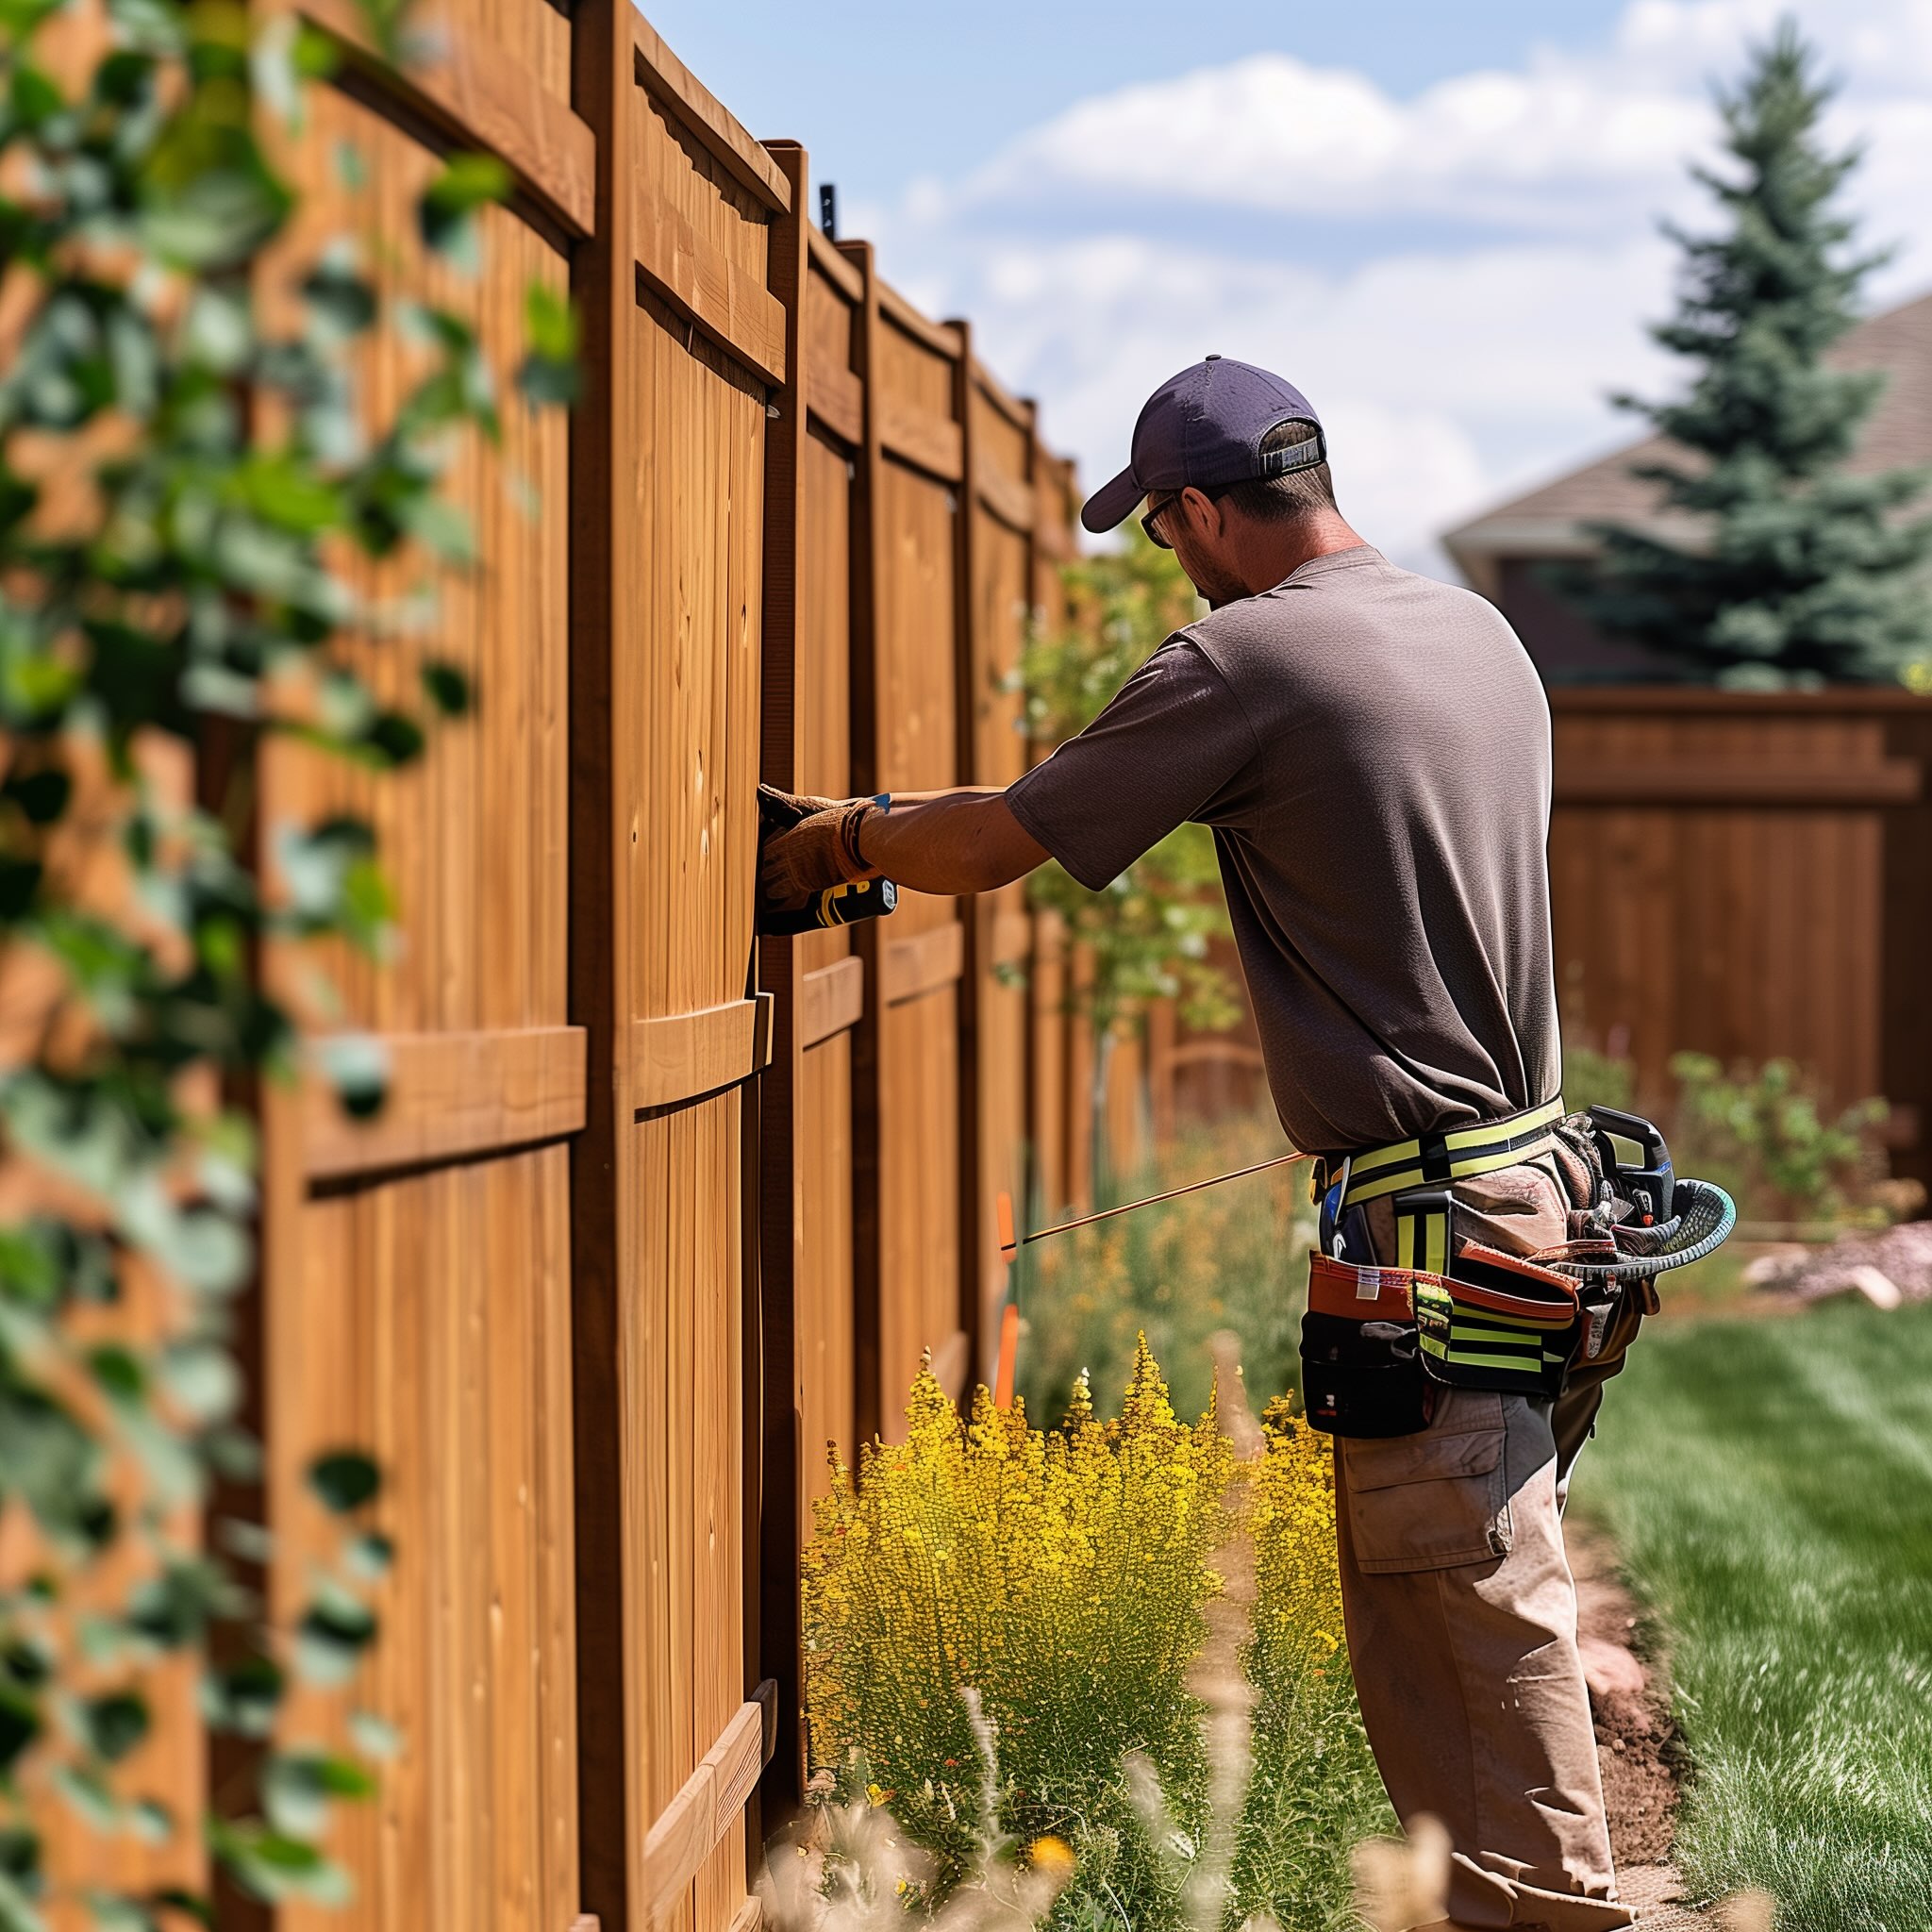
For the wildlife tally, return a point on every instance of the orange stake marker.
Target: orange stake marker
(1009, 1343)
(1010, 1315)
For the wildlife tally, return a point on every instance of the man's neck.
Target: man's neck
(1280, 549)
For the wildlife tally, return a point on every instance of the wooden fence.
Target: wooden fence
(1750, 875)
(654, 1210)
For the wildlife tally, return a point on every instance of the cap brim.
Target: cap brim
(1112, 504)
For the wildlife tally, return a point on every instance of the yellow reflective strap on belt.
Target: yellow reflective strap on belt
(1547, 1115)
(1461, 1155)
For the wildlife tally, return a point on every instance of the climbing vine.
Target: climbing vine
(183, 489)
(1148, 930)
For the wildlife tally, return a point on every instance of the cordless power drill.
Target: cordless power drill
(840, 905)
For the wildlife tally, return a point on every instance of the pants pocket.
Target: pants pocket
(1434, 1500)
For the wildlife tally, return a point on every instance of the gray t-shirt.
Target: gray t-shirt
(1372, 751)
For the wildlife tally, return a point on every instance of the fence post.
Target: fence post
(781, 1204)
(977, 914)
(604, 91)
(866, 1233)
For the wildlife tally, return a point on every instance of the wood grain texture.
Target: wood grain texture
(722, 296)
(1731, 878)
(452, 1094)
(706, 1807)
(431, 1326)
(922, 437)
(922, 962)
(473, 836)
(1776, 782)
(831, 999)
(682, 1346)
(716, 129)
(426, 1315)
(487, 92)
(679, 1056)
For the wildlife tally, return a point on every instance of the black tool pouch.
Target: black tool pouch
(1363, 1378)
(1362, 1365)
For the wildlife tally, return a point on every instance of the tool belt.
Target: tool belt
(1375, 1338)
(1378, 1338)
(1419, 1173)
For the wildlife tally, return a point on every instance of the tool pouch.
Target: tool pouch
(1361, 1361)
(1498, 1322)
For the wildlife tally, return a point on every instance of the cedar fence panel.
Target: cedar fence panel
(653, 1210)
(998, 532)
(1750, 875)
(418, 1267)
(811, 1336)
(912, 1227)
(668, 728)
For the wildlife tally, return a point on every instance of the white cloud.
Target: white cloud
(1450, 372)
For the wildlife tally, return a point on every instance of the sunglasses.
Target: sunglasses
(1155, 514)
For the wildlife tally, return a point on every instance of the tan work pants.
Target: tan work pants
(1461, 1619)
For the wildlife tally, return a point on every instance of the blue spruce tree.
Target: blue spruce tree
(1801, 573)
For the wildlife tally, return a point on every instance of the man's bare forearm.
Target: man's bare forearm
(965, 841)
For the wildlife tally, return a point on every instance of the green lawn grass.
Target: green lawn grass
(1769, 1484)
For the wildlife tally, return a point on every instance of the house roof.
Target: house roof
(1547, 522)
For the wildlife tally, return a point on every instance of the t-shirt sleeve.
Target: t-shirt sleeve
(1172, 736)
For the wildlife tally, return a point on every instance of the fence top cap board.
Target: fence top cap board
(1018, 410)
(942, 338)
(680, 90)
(831, 263)
(1662, 700)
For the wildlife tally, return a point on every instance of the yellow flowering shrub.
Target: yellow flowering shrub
(1061, 1574)
(1314, 1790)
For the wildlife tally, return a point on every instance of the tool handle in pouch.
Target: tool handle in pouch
(836, 905)
(1652, 1186)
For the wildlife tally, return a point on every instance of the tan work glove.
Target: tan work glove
(808, 843)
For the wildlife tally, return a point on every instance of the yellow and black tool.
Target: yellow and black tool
(840, 905)
(836, 905)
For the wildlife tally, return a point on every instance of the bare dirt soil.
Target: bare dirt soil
(1637, 1739)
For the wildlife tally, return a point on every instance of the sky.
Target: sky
(1440, 223)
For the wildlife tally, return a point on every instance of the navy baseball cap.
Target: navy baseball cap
(1204, 427)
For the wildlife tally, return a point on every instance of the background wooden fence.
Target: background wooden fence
(1750, 875)
(654, 1210)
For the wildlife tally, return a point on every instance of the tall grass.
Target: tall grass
(1769, 1484)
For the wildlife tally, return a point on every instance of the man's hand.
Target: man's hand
(808, 844)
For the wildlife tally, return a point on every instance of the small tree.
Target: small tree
(1149, 929)
(1799, 573)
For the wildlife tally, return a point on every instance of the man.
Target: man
(1372, 751)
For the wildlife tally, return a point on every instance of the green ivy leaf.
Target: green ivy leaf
(334, 1632)
(374, 1736)
(446, 212)
(344, 1479)
(42, 795)
(448, 686)
(370, 1555)
(357, 1066)
(243, 1699)
(297, 1789)
(548, 374)
(115, 1723)
(20, 1723)
(20, 1853)
(118, 1372)
(274, 1867)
